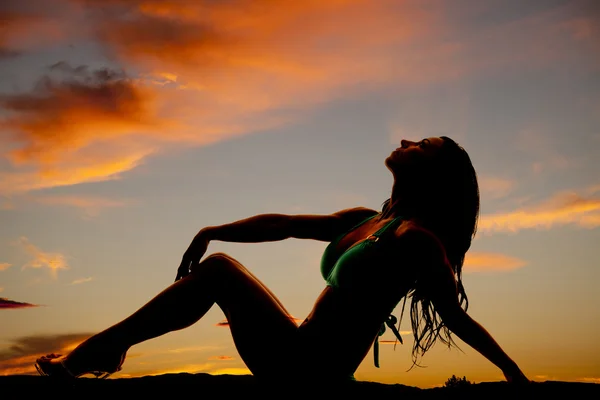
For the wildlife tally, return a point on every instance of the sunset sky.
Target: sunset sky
(128, 125)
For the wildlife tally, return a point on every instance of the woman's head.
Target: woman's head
(435, 182)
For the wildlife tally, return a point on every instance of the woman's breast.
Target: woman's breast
(360, 267)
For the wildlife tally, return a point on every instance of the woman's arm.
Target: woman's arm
(274, 227)
(436, 280)
(476, 336)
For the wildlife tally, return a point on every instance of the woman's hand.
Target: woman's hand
(192, 255)
(515, 376)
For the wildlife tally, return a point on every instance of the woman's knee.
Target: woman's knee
(214, 261)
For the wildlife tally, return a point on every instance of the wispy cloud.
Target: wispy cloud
(41, 259)
(22, 353)
(79, 168)
(541, 150)
(185, 368)
(593, 189)
(492, 188)
(558, 378)
(588, 380)
(191, 349)
(4, 266)
(11, 304)
(221, 358)
(491, 262)
(226, 323)
(402, 333)
(567, 208)
(90, 205)
(82, 280)
(231, 371)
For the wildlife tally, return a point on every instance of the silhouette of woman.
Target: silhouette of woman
(414, 248)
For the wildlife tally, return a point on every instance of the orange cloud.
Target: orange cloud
(70, 114)
(74, 169)
(77, 125)
(567, 208)
(41, 259)
(250, 61)
(4, 266)
(483, 262)
(222, 69)
(22, 353)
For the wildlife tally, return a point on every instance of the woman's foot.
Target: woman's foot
(59, 366)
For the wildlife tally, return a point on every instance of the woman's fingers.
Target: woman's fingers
(183, 270)
(192, 256)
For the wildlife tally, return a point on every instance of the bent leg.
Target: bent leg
(264, 333)
(260, 325)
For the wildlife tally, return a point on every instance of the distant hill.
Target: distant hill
(192, 386)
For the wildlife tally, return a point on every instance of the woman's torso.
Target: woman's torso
(348, 314)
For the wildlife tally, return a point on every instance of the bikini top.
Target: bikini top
(351, 268)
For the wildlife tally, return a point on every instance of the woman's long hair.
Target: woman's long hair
(450, 209)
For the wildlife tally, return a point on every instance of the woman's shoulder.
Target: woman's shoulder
(413, 239)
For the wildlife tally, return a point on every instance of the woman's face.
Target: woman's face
(411, 155)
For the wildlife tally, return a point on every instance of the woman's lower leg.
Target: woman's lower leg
(177, 307)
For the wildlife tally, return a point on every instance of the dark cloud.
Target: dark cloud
(168, 39)
(10, 23)
(25, 25)
(11, 304)
(8, 53)
(68, 108)
(21, 354)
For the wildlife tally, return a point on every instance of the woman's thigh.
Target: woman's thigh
(264, 333)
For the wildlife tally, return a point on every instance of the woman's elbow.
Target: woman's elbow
(454, 317)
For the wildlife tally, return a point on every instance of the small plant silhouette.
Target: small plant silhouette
(454, 382)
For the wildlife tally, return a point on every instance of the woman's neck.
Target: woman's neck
(409, 207)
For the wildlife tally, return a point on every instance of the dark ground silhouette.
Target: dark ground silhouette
(233, 386)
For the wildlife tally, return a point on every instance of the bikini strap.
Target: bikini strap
(391, 323)
(377, 235)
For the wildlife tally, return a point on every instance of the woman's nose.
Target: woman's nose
(405, 143)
